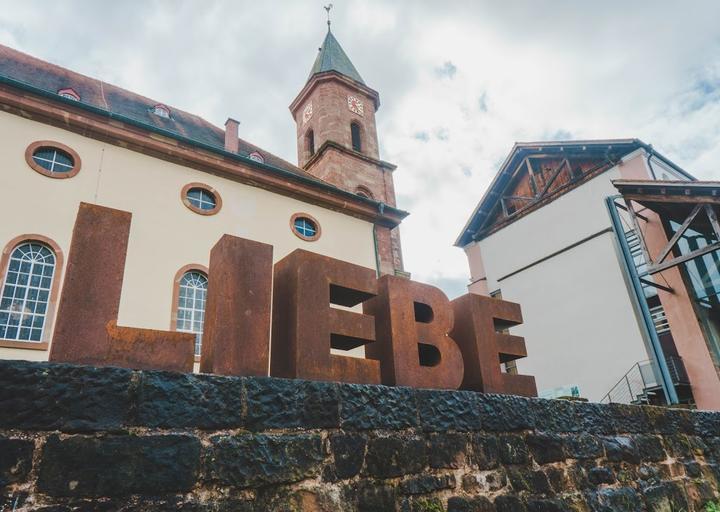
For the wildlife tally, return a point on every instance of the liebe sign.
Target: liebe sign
(284, 319)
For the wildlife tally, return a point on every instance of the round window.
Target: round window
(305, 227)
(201, 199)
(53, 159)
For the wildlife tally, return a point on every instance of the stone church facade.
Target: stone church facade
(70, 139)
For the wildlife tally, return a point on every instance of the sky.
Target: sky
(459, 81)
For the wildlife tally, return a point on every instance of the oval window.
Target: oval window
(52, 159)
(201, 199)
(305, 227)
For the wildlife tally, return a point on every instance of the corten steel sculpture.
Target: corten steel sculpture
(477, 320)
(413, 321)
(236, 340)
(412, 334)
(86, 331)
(305, 326)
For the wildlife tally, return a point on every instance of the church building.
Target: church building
(70, 139)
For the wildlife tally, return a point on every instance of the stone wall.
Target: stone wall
(86, 439)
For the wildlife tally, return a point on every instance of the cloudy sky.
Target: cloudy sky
(459, 81)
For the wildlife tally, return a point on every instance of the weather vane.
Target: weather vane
(328, 7)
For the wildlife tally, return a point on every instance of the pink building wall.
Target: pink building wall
(678, 305)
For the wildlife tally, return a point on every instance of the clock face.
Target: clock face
(307, 113)
(355, 104)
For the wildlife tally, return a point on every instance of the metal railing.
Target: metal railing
(641, 383)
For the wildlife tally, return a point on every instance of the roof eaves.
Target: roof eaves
(199, 144)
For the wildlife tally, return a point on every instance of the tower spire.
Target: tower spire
(328, 8)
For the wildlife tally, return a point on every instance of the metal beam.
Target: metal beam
(678, 234)
(655, 285)
(712, 216)
(654, 269)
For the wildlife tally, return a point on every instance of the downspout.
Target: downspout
(640, 303)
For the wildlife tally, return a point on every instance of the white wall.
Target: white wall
(165, 235)
(579, 323)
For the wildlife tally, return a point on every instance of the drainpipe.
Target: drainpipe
(638, 298)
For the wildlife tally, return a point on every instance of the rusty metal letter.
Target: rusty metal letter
(236, 339)
(306, 326)
(86, 331)
(413, 321)
(478, 320)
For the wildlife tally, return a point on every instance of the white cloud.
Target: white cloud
(520, 71)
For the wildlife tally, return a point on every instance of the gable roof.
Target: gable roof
(51, 78)
(332, 57)
(607, 152)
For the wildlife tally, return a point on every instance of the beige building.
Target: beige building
(552, 233)
(68, 138)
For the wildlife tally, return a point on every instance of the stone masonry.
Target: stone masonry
(80, 438)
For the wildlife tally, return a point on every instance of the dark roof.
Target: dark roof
(52, 78)
(332, 57)
(491, 197)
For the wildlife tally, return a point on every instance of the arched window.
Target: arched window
(26, 292)
(310, 141)
(192, 294)
(355, 133)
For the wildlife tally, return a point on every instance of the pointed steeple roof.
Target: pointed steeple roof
(333, 58)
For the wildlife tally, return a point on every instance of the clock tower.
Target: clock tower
(337, 139)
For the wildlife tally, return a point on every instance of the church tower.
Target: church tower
(337, 139)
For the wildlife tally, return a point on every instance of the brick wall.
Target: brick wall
(83, 439)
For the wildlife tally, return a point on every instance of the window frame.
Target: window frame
(356, 132)
(318, 230)
(49, 324)
(32, 148)
(310, 142)
(200, 211)
(192, 267)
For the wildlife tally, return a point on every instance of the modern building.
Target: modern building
(69, 138)
(600, 319)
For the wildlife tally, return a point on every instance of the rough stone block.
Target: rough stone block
(118, 465)
(248, 460)
(440, 411)
(15, 460)
(448, 451)
(513, 449)
(426, 484)
(374, 497)
(389, 457)
(665, 496)
(501, 413)
(621, 448)
(177, 400)
(509, 503)
(583, 446)
(533, 481)
(285, 403)
(348, 451)
(601, 475)
(376, 407)
(546, 447)
(486, 451)
(650, 448)
(555, 415)
(46, 396)
(475, 504)
(706, 424)
(545, 505)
